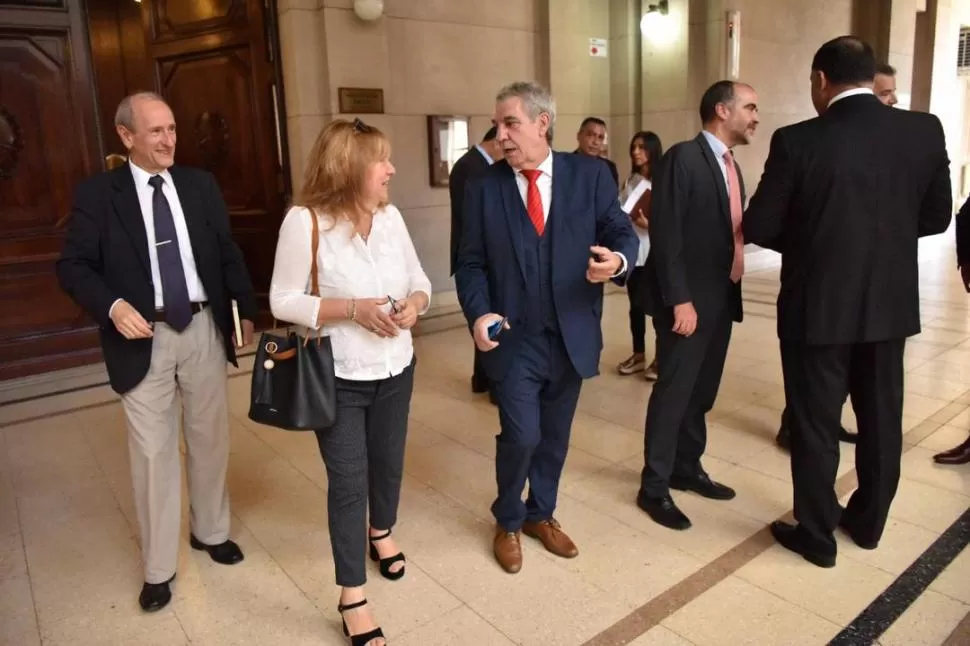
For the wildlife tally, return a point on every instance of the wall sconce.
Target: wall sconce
(368, 9)
(651, 24)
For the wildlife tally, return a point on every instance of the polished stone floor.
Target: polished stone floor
(69, 560)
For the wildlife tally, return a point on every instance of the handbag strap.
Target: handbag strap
(314, 248)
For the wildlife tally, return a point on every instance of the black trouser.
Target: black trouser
(480, 382)
(816, 381)
(638, 318)
(690, 370)
(364, 455)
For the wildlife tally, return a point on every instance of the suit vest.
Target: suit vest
(540, 304)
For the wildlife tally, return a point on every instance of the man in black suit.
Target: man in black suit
(960, 454)
(884, 87)
(591, 139)
(844, 198)
(470, 165)
(692, 288)
(150, 257)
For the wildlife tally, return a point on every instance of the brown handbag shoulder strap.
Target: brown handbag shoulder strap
(314, 249)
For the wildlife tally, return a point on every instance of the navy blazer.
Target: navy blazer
(105, 257)
(490, 273)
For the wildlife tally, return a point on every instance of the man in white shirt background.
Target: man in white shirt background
(470, 165)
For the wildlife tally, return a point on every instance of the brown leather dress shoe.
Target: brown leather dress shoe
(956, 455)
(508, 550)
(553, 538)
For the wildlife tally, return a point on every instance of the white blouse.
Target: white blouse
(348, 267)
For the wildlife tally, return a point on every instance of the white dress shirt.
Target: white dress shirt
(348, 267)
(145, 192)
(718, 147)
(544, 184)
(853, 92)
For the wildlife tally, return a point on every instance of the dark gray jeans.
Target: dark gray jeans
(364, 455)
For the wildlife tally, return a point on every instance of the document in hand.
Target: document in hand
(635, 195)
(237, 323)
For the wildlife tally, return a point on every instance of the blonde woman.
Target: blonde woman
(372, 289)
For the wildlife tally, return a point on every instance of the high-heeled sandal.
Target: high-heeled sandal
(385, 564)
(363, 638)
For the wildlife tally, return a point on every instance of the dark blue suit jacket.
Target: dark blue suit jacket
(490, 272)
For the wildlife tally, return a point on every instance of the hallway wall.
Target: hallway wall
(447, 57)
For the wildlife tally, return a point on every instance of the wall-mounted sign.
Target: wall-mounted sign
(360, 100)
(597, 47)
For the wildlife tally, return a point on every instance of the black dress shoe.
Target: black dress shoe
(789, 537)
(227, 553)
(663, 511)
(847, 526)
(155, 596)
(702, 485)
(956, 455)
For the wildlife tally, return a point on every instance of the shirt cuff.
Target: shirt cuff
(314, 314)
(623, 265)
(112, 308)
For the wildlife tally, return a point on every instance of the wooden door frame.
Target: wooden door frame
(270, 10)
(79, 346)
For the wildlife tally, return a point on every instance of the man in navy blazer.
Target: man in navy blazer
(543, 232)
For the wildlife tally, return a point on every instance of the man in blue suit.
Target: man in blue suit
(543, 231)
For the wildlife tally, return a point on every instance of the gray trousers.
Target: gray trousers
(190, 366)
(364, 455)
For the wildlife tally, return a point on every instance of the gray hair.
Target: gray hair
(125, 114)
(535, 100)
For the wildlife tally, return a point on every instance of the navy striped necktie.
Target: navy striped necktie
(175, 293)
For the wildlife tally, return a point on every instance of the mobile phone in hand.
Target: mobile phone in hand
(496, 328)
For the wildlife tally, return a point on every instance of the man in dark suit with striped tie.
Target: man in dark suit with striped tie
(469, 166)
(150, 257)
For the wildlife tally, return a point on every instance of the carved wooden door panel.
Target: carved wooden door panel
(213, 62)
(48, 143)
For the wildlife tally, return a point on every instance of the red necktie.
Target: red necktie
(737, 209)
(533, 201)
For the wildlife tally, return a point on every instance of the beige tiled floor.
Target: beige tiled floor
(69, 561)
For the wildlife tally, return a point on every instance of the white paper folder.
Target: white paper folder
(237, 324)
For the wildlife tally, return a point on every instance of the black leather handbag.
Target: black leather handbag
(294, 386)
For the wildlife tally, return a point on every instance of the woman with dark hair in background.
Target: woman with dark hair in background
(645, 151)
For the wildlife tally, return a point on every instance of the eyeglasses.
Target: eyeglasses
(360, 126)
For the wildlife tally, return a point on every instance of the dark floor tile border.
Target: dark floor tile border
(879, 615)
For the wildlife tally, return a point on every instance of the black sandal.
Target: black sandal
(363, 639)
(385, 564)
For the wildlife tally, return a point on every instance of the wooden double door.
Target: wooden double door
(64, 67)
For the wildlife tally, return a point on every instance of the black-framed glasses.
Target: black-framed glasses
(360, 126)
